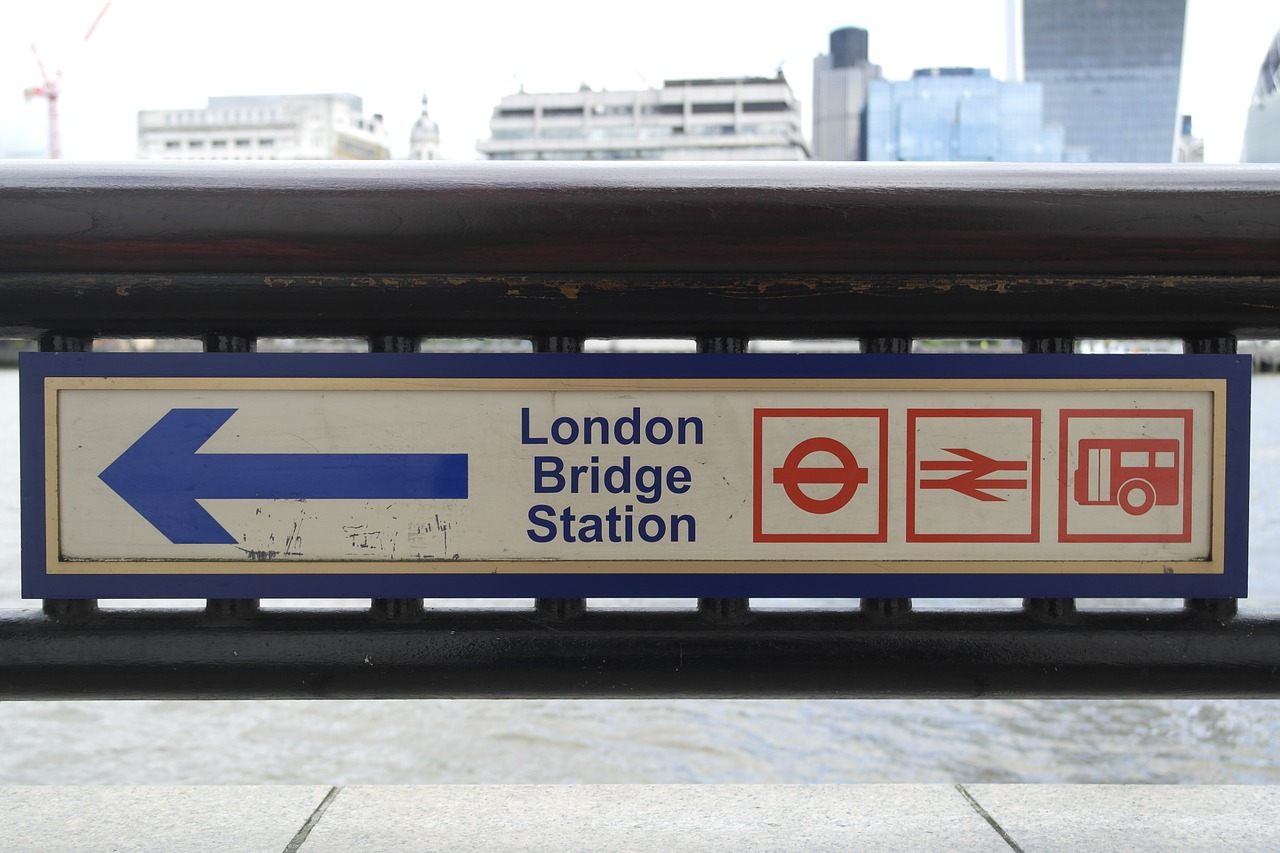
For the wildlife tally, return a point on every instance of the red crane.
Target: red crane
(51, 88)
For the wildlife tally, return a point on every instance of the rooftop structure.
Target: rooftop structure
(736, 118)
(265, 127)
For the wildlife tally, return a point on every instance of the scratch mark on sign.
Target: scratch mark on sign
(293, 542)
(360, 536)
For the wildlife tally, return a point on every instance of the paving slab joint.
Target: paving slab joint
(984, 814)
(304, 831)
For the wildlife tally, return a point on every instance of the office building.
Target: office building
(265, 127)
(1262, 127)
(840, 81)
(958, 114)
(1110, 71)
(739, 118)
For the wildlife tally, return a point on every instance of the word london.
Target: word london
(646, 482)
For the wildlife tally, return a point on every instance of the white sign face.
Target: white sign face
(410, 475)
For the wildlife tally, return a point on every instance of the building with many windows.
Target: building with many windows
(1110, 71)
(740, 118)
(265, 127)
(840, 80)
(959, 114)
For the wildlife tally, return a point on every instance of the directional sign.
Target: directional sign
(540, 475)
(162, 476)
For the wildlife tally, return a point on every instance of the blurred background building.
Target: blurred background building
(840, 80)
(959, 114)
(1190, 147)
(1110, 71)
(1262, 128)
(424, 139)
(265, 127)
(732, 118)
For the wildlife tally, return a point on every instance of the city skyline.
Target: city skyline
(147, 55)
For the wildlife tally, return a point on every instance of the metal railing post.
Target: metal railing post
(395, 609)
(67, 609)
(1049, 609)
(558, 609)
(886, 608)
(1215, 609)
(723, 609)
(230, 608)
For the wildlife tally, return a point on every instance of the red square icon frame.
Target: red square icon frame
(1032, 480)
(1068, 492)
(881, 532)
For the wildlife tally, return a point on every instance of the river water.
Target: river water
(512, 741)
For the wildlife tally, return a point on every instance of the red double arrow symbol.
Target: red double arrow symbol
(975, 472)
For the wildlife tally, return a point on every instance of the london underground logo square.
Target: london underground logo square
(820, 475)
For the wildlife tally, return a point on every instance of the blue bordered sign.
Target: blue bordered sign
(254, 476)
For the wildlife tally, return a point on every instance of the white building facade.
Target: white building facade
(741, 118)
(265, 127)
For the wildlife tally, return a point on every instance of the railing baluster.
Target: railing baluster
(1217, 609)
(886, 345)
(723, 609)
(558, 609)
(722, 344)
(230, 608)
(886, 608)
(67, 609)
(229, 343)
(1050, 609)
(395, 609)
(556, 343)
(1049, 346)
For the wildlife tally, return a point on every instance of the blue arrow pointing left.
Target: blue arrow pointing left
(162, 476)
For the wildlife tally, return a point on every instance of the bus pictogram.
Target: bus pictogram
(1134, 474)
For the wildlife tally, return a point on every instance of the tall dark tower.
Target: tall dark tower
(840, 80)
(1110, 70)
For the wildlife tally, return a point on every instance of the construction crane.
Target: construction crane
(51, 88)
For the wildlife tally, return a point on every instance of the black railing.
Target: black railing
(715, 252)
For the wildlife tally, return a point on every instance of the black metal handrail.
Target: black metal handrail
(716, 252)
(853, 250)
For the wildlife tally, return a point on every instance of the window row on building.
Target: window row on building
(720, 118)
(303, 127)
(196, 144)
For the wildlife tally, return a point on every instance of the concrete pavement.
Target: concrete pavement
(685, 818)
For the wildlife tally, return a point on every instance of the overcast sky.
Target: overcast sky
(148, 54)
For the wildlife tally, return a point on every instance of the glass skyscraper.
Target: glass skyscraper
(958, 114)
(1110, 72)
